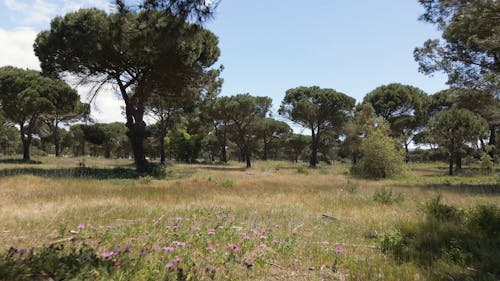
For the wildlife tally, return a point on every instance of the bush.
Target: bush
(486, 164)
(302, 170)
(380, 156)
(450, 243)
(351, 186)
(384, 195)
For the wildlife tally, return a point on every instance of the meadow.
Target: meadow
(276, 221)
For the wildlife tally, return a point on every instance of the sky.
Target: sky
(269, 46)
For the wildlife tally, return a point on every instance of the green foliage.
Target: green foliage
(320, 110)
(351, 186)
(302, 170)
(226, 183)
(385, 195)
(452, 128)
(53, 262)
(469, 51)
(449, 240)
(185, 147)
(380, 156)
(486, 164)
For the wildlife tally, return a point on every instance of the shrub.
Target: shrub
(380, 156)
(449, 240)
(351, 186)
(384, 195)
(486, 164)
(302, 170)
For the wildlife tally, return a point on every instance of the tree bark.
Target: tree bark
(247, 157)
(314, 150)
(26, 140)
(450, 168)
(57, 139)
(162, 150)
(407, 153)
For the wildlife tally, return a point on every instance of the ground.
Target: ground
(276, 221)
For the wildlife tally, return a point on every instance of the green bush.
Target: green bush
(351, 186)
(486, 164)
(380, 156)
(302, 170)
(451, 244)
(384, 195)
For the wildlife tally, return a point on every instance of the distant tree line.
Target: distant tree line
(160, 59)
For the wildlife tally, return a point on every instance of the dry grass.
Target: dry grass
(35, 211)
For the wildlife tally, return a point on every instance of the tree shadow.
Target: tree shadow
(79, 172)
(462, 188)
(227, 169)
(19, 161)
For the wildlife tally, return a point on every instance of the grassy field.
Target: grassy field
(276, 221)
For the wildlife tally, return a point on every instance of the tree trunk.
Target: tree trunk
(57, 139)
(247, 157)
(458, 161)
(492, 142)
(314, 150)
(137, 134)
(107, 151)
(26, 140)
(450, 168)
(162, 150)
(266, 151)
(407, 153)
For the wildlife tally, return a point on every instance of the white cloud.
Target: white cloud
(16, 49)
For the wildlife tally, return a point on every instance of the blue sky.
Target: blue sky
(270, 46)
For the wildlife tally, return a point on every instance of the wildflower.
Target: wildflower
(209, 248)
(276, 242)
(177, 260)
(221, 227)
(179, 244)
(211, 231)
(81, 226)
(144, 251)
(221, 217)
(234, 247)
(263, 237)
(169, 265)
(127, 248)
(255, 232)
(196, 229)
(22, 251)
(339, 250)
(178, 219)
(213, 270)
(107, 255)
(245, 236)
(168, 249)
(262, 246)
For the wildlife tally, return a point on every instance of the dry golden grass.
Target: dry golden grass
(35, 211)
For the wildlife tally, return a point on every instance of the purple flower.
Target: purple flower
(221, 227)
(144, 251)
(211, 231)
(263, 237)
(81, 226)
(234, 247)
(22, 251)
(168, 249)
(196, 229)
(213, 270)
(179, 244)
(169, 265)
(262, 246)
(177, 260)
(107, 255)
(339, 250)
(245, 236)
(255, 232)
(127, 248)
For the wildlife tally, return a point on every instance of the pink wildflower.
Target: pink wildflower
(169, 265)
(234, 247)
(211, 231)
(107, 255)
(168, 249)
(81, 226)
(262, 246)
(339, 250)
(177, 260)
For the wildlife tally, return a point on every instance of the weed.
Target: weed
(351, 186)
(385, 195)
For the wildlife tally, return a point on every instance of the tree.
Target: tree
(454, 127)
(317, 109)
(356, 128)
(244, 112)
(403, 106)
(25, 96)
(295, 144)
(469, 52)
(380, 157)
(148, 51)
(108, 136)
(67, 108)
(270, 130)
